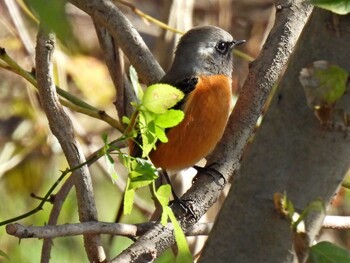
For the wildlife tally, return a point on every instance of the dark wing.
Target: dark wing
(186, 85)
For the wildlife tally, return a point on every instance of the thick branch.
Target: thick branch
(62, 128)
(263, 76)
(104, 12)
(291, 152)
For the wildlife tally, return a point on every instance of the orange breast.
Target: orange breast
(206, 112)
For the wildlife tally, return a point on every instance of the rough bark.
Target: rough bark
(61, 126)
(291, 152)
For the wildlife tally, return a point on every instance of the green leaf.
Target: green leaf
(326, 252)
(110, 167)
(126, 120)
(141, 173)
(3, 254)
(288, 206)
(184, 254)
(340, 7)
(128, 198)
(158, 98)
(163, 194)
(332, 83)
(170, 118)
(148, 131)
(53, 18)
(108, 158)
(135, 83)
(160, 133)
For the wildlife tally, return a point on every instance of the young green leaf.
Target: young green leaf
(128, 198)
(326, 252)
(170, 118)
(126, 120)
(135, 83)
(184, 254)
(141, 173)
(163, 194)
(340, 7)
(148, 131)
(158, 98)
(108, 158)
(110, 167)
(160, 133)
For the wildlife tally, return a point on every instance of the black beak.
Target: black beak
(238, 42)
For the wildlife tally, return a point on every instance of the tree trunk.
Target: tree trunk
(291, 152)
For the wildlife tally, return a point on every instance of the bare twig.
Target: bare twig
(115, 64)
(108, 15)
(337, 222)
(43, 200)
(118, 229)
(60, 196)
(263, 76)
(91, 159)
(62, 128)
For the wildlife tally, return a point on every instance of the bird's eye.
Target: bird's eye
(222, 47)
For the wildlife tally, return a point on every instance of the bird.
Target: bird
(202, 69)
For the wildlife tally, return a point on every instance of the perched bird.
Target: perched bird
(202, 69)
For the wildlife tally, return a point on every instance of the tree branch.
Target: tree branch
(62, 128)
(115, 64)
(105, 13)
(337, 222)
(59, 199)
(118, 229)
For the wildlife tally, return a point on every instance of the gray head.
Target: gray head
(203, 50)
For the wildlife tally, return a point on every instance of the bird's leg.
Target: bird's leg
(209, 170)
(182, 203)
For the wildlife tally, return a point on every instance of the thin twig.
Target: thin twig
(118, 143)
(118, 229)
(59, 199)
(115, 64)
(43, 201)
(337, 222)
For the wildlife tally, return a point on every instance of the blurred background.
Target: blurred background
(30, 157)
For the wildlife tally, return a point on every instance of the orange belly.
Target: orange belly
(206, 112)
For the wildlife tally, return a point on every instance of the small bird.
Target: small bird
(202, 69)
